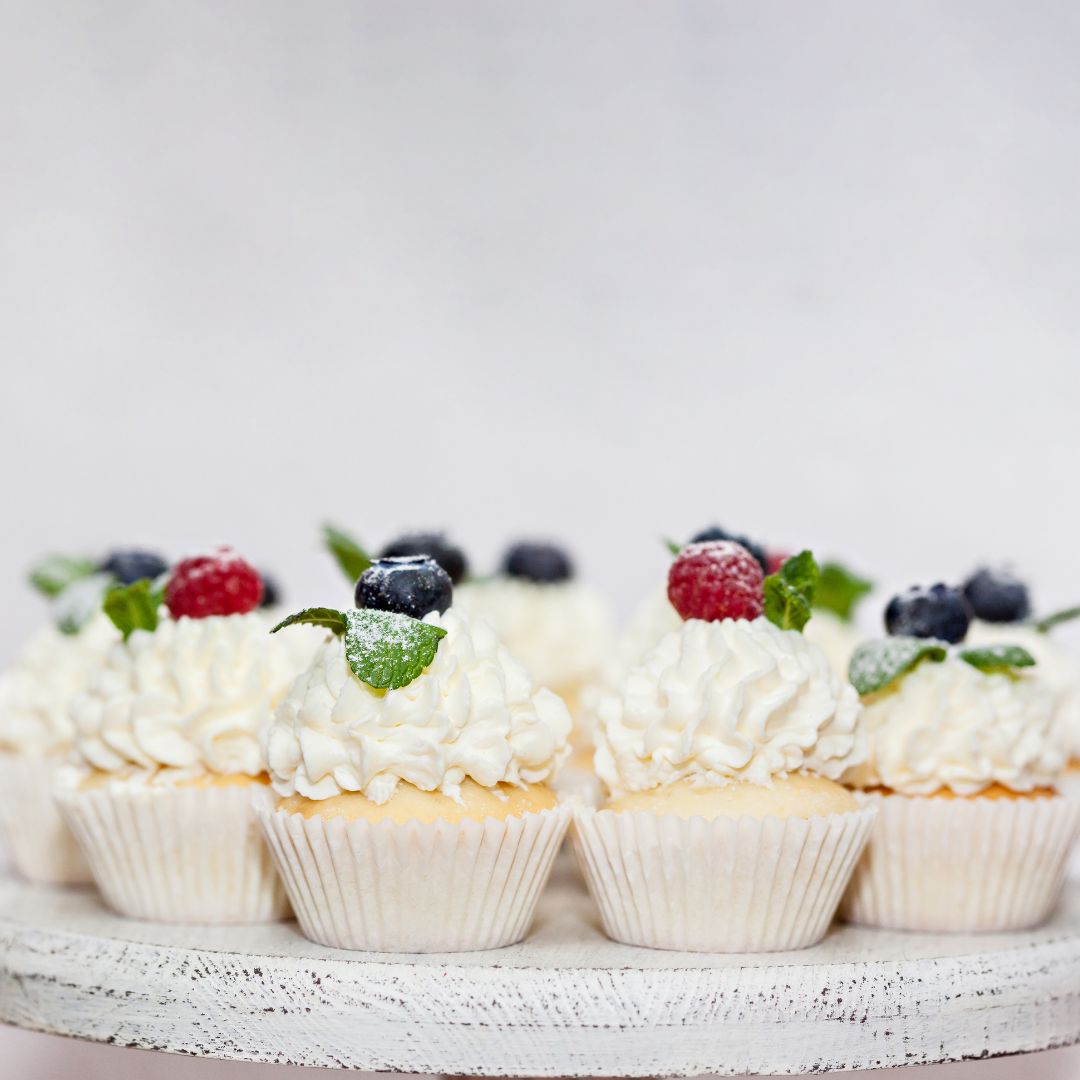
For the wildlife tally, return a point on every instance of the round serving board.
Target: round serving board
(566, 1002)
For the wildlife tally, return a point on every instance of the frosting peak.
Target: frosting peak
(474, 712)
(192, 694)
(715, 702)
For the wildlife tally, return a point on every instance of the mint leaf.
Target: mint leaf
(387, 650)
(80, 602)
(991, 658)
(839, 590)
(329, 618)
(53, 574)
(672, 545)
(1045, 625)
(351, 557)
(875, 664)
(133, 607)
(790, 592)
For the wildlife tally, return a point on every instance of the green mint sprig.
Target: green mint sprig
(839, 590)
(349, 553)
(384, 649)
(673, 546)
(789, 593)
(53, 574)
(135, 606)
(1048, 622)
(876, 665)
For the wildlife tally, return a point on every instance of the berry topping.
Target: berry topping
(545, 564)
(714, 532)
(718, 579)
(939, 611)
(271, 592)
(997, 596)
(127, 567)
(218, 584)
(435, 546)
(412, 585)
(774, 560)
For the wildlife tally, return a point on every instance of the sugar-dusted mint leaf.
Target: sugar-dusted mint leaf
(53, 574)
(1046, 624)
(672, 545)
(328, 618)
(991, 658)
(134, 607)
(875, 664)
(839, 590)
(350, 555)
(80, 602)
(387, 650)
(789, 593)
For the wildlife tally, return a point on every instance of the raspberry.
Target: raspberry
(718, 579)
(774, 560)
(218, 584)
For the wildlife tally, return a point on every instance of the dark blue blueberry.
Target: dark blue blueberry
(271, 592)
(714, 532)
(131, 566)
(996, 596)
(545, 564)
(412, 585)
(939, 611)
(435, 545)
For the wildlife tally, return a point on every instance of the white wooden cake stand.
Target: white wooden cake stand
(566, 1002)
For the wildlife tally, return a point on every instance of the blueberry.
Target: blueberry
(545, 564)
(435, 545)
(939, 611)
(133, 565)
(714, 532)
(271, 592)
(997, 596)
(412, 585)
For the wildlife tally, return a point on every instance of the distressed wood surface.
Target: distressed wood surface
(566, 1002)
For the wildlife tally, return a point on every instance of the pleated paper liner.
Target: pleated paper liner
(176, 853)
(963, 865)
(42, 847)
(412, 887)
(720, 885)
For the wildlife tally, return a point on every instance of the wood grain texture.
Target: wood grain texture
(566, 1002)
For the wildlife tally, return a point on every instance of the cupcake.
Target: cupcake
(725, 829)
(558, 627)
(168, 744)
(963, 757)
(36, 732)
(1001, 606)
(412, 762)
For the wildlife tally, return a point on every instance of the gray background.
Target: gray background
(601, 271)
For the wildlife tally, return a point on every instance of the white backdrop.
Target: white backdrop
(599, 271)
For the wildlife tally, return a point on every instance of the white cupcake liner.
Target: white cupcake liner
(175, 853)
(1069, 786)
(41, 845)
(965, 865)
(718, 885)
(412, 887)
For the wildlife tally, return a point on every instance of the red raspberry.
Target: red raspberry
(718, 579)
(774, 560)
(218, 584)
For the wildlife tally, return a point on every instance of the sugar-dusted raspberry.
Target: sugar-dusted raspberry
(218, 584)
(718, 579)
(774, 560)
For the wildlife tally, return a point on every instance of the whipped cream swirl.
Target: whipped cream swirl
(715, 702)
(474, 712)
(950, 726)
(36, 691)
(194, 695)
(561, 632)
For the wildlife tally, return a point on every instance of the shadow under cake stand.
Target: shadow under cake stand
(566, 1002)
